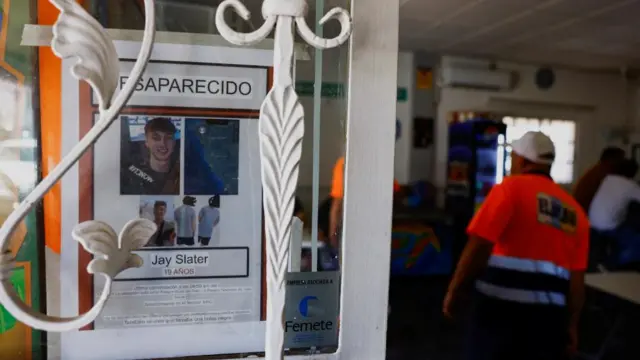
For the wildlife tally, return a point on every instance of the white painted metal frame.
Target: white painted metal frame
(372, 86)
(281, 132)
(366, 235)
(77, 34)
(42, 35)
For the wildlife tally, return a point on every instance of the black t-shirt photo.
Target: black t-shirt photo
(140, 179)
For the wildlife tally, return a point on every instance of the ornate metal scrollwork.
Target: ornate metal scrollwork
(76, 34)
(281, 132)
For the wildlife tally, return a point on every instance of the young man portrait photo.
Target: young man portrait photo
(150, 163)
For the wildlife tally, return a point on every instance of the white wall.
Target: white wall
(595, 101)
(425, 106)
(404, 113)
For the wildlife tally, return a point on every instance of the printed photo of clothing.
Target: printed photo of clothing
(209, 217)
(186, 241)
(140, 179)
(185, 217)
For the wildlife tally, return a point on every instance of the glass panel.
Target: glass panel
(19, 172)
(183, 16)
(191, 164)
(562, 172)
(507, 160)
(500, 156)
(508, 120)
(561, 132)
(322, 87)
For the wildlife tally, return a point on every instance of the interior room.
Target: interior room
(567, 68)
(473, 76)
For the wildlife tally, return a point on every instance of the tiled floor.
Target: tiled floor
(417, 329)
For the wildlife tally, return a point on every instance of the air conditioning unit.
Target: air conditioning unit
(476, 78)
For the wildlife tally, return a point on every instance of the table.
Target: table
(625, 285)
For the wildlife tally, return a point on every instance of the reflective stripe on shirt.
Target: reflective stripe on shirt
(530, 266)
(521, 295)
(524, 281)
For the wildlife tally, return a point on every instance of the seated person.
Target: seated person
(588, 184)
(608, 211)
(327, 258)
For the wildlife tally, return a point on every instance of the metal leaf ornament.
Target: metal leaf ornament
(76, 34)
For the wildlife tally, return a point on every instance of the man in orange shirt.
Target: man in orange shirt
(588, 184)
(526, 256)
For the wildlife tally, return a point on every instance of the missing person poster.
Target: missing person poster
(183, 153)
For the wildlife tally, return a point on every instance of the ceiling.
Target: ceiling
(592, 34)
(589, 34)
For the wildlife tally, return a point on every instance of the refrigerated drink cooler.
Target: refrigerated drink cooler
(476, 162)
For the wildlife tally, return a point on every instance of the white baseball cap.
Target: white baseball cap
(536, 147)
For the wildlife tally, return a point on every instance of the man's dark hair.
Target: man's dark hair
(161, 124)
(214, 201)
(159, 203)
(189, 200)
(297, 206)
(627, 168)
(612, 153)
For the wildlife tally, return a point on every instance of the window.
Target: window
(561, 132)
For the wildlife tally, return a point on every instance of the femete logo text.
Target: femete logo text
(308, 326)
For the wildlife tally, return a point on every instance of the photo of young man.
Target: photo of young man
(185, 217)
(211, 156)
(165, 235)
(208, 220)
(150, 156)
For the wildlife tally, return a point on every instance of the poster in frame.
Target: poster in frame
(100, 197)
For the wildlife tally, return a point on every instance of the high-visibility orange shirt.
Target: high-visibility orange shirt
(337, 183)
(531, 217)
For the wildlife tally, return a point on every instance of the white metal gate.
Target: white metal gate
(372, 27)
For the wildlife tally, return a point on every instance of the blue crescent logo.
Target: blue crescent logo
(303, 307)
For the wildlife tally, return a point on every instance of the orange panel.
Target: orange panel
(50, 124)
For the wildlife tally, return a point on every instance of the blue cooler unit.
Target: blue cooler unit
(476, 162)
